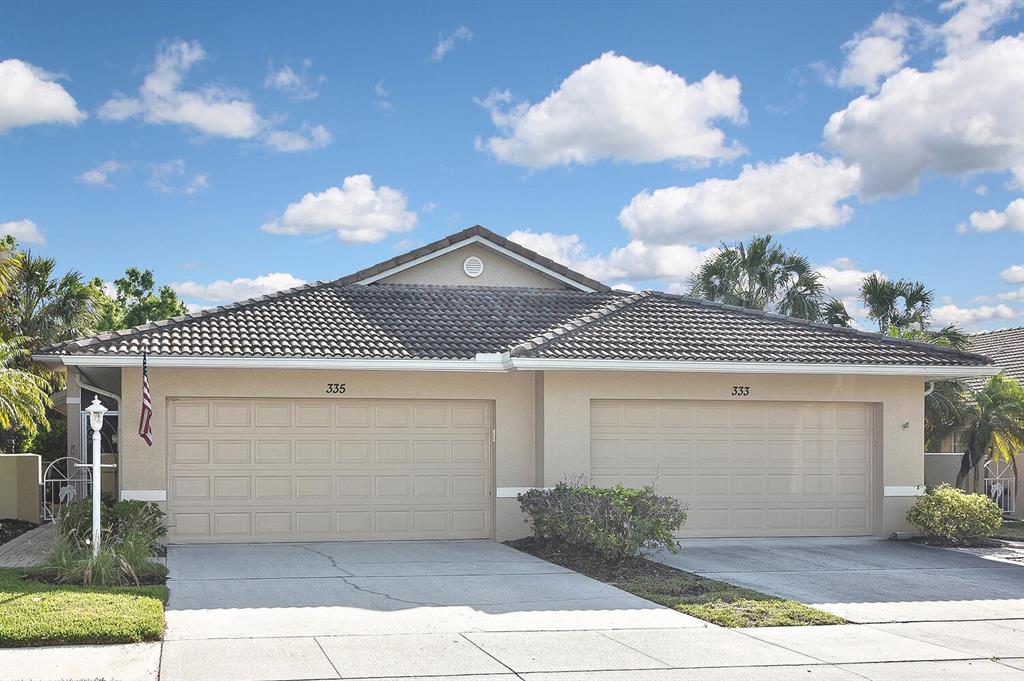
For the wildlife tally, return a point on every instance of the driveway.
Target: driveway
(864, 579)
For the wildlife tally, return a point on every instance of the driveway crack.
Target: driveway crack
(346, 576)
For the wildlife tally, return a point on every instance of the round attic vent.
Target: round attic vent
(473, 266)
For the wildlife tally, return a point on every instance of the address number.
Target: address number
(335, 388)
(741, 390)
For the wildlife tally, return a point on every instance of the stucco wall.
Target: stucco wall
(498, 271)
(20, 479)
(899, 400)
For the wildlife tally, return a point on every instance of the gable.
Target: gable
(448, 270)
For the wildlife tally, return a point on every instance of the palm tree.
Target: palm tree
(994, 426)
(761, 275)
(10, 259)
(23, 398)
(899, 304)
(835, 313)
(46, 309)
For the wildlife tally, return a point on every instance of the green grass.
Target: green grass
(713, 601)
(1012, 530)
(37, 613)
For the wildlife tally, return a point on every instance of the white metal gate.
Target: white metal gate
(1001, 485)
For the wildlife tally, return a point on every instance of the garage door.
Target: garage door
(743, 469)
(274, 470)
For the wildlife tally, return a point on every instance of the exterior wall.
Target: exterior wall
(20, 478)
(940, 467)
(144, 469)
(499, 270)
(898, 400)
(74, 402)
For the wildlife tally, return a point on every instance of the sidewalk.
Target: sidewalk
(27, 549)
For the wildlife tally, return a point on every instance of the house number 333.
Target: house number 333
(335, 388)
(740, 390)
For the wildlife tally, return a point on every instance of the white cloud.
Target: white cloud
(802, 191)
(22, 230)
(972, 19)
(357, 211)
(211, 109)
(875, 53)
(617, 108)
(963, 116)
(100, 175)
(971, 316)
(1014, 274)
(308, 137)
(383, 100)
(171, 177)
(1006, 296)
(993, 220)
(446, 41)
(843, 278)
(636, 260)
(299, 84)
(30, 96)
(242, 288)
(981, 190)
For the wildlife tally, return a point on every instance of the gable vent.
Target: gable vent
(473, 266)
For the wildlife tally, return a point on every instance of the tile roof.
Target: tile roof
(1006, 347)
(465, 234)
(407, 321)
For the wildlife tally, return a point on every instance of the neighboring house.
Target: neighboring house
(416, 398)
(1006, 348)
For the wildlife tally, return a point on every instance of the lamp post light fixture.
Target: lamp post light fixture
(96, 412)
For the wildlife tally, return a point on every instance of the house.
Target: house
(416, 398)
(1006, 348)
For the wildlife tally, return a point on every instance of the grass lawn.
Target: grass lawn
(1012, 530)
(717, 602)
(36, 613)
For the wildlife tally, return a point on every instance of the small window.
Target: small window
(473, 266)
(960, 441)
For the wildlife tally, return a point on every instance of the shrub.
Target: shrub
(616, 522)
(952, 516)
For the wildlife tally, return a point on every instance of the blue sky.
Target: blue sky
(237, 148)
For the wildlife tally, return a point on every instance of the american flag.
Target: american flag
(146, 419)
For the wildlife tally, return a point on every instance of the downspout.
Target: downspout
(929, 386)
(79, 374)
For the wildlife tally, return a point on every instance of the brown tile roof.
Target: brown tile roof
(406, 321)
(476, 230)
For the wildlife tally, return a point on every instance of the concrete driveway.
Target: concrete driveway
(864, 579)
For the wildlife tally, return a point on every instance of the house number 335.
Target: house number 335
(335, 388)
(740, 390)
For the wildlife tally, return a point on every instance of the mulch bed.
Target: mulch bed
(590, 564)
(11, 528)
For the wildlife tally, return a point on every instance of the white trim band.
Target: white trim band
(144, 494)
(507, 492)
(903, 490)
(483, 363)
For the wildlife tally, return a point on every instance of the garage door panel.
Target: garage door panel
(317, 469)
(743, 469)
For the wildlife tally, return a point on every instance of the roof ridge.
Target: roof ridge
(577, 323)
(991, 331)
(842, 330)
(189, 316)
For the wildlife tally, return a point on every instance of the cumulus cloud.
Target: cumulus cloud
(211, 110)
(100, 175)
(172, 177)
(875, 53)
(357, 211)
(971, 316)
(972, 19)
(1014, 274)
(383, 95)
(994, 220)
(843, 278)
(446, 41)
(962, 116)
(617, 108)
(1005, 296)
(802, 191)
(25, 231)
(242, 288)
(30, 95)
(298, 83)
(636, 260)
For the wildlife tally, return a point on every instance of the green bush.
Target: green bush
(616, 522)
(130, 534)
(952, 516)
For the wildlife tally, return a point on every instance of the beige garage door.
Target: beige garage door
(743, 469)
(277, 470)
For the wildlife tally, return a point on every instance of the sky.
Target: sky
(241, 148)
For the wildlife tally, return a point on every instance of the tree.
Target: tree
(761, 275)
(901, 304)
(993, 424)
(10, 259)
(835, 313)
(43, 308)
(23, 398)
(137, 301)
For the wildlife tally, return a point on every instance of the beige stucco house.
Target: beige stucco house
(416, 398)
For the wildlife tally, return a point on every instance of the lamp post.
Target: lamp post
(96, 411)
